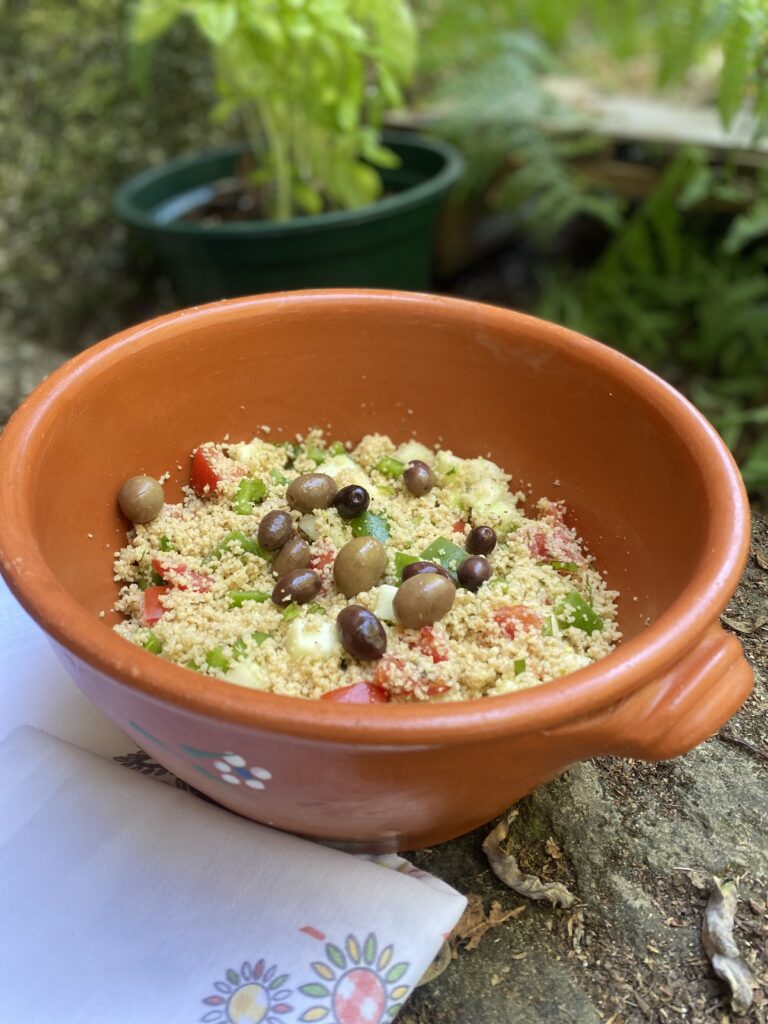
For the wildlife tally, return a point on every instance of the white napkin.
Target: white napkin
(128, 902)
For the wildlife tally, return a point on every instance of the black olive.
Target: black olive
(474, 572)
(299, 586)
(481, 540)
(361, 633)
(274, 530)
(352, 501)
(419, 478)
(417, 568)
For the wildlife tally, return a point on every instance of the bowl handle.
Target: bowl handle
(676, 711)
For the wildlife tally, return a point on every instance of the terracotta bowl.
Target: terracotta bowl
(648, 482)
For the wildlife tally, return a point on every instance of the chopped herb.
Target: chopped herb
(239, 649)
(165, 544)
(315, 609)
(278, 477)
(290, 612)
(571, 567)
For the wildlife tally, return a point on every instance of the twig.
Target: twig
(737, 741)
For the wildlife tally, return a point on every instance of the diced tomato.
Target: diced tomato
(182, 577)
(431, 645)
(203, 475)
(152, 609)
(320, 559)
(458, 526)
(537, 545)
(438, 686)
(514, 617)
(358, 693)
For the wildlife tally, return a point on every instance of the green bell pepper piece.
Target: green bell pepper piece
(563, 566)
(165, 544)
(237, 597)
(519, 666)
(445, 553)
(259, 638)
(402, 559)
(153, 644)
(278, 477)
(370, 525)
(239, 649)
(249, 546)
(317, 454)
(573, 610)
(391, 467)
(337, 448)
(290, 612)
(249, 493)
(217, 659)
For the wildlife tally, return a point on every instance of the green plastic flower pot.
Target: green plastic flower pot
(387, 244)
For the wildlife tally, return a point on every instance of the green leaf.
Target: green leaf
(216, 19)
(335, 955)
(315, 989)
(737, 46)
(755, 467)
(369, 949)
(395, 973)
(152, 18)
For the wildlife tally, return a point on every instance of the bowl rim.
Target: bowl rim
(575, 696)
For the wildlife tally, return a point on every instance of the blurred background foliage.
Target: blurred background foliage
(675, 275)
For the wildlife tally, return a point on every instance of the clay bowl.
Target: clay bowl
(648, 483)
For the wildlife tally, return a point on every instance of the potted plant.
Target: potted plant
(316, 195)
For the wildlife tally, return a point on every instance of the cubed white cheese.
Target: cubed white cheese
(308, 638)
(385, 595)
(308, 526)
(412, 450)
(246, 673)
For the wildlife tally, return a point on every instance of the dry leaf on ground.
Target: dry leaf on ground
(437, 966)
(721, 948)
(475, 922)
(505, 867)
(747, 628)
(760, 558)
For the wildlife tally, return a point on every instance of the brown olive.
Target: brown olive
(361, 633)
(310, 491)
(417, 568)
(141, 499)
(359, 565)
(352, 501)
(299, 586)
(294, 554)
(474, 572)
(423, 599)
(481, 540)
(274, 530)
(419, 478)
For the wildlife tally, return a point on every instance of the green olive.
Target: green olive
(141, 499)
(359, 565)
(294, 554)
(423, 599)
(310, 491)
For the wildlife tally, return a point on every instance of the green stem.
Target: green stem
(283, 209)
